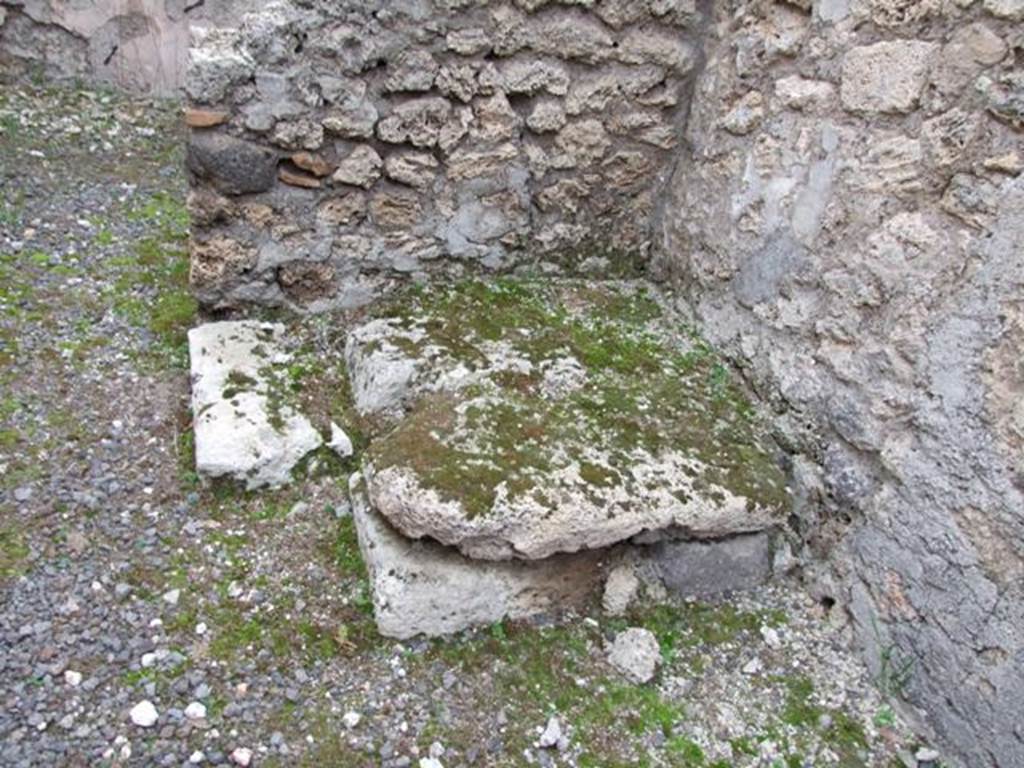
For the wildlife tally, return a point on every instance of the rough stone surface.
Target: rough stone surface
(232, 166)
(620, 589)
(708, 568)
(475, 130)
(424, 588)
(886, 77)
(635, 654)
(828, 251)
(242, 429)
(506, 449)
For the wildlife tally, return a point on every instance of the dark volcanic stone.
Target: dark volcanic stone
(233, 166)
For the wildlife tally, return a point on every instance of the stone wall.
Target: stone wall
(137, 45)
(340, 146)
(850, 225)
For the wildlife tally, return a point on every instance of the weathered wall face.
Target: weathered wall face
(850, 224)
(338, 146)
(137, 45)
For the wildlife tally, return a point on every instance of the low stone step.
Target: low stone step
(519, 419)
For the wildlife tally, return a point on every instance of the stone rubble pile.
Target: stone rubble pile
(526, 437)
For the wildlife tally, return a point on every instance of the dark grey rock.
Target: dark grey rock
(233, 166)
(704, 568)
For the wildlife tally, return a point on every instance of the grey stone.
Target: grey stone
(216, 63)
(658, 46)
(233, 166)
(468, 42)
(796, 92)
(417, 122)
(413, 71)
(584, 142)
(531, 76)
(620, 589)
(352, 120)
(746, 115)
(416, 169)
(1006, 9)
(635, 654)
(708, 568)
(382, 375)
(570, 36)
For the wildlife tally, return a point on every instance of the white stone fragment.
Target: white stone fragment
(340, 442)
(1006, 9)
(771, 637)
(144, 714)
(242, 756)
(886, 77)
(620, 590)
(552, 733)
(240, 431)
(351, 719)
(195, 711)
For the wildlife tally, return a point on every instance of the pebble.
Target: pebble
(351, 719)
(241, 756)
(72, 678)
(172, 596)
(144, 714)
(552, 734)
(195, 711)
(771, 637)
(635, 653)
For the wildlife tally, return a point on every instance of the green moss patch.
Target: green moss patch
(649, 386)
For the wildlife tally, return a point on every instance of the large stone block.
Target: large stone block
(522, 436)
(422, 587)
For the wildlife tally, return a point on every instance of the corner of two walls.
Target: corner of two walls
(849, 224)
(844, 214)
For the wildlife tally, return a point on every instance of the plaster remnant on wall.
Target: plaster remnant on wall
(860, 256)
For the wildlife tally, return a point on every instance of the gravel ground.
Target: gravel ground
(243, 620)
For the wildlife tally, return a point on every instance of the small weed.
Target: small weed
(894, 671)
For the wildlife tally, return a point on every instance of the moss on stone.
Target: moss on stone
(649, 387)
